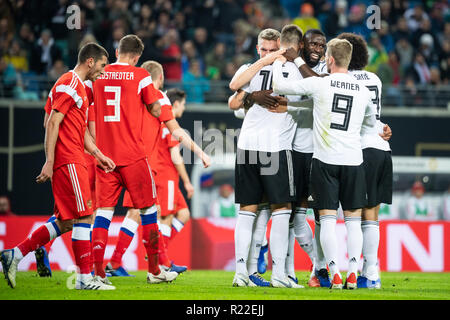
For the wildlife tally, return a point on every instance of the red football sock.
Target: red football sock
(122, 245)
(163, 254)
(48, 246)
(82, 252)
(37, 239)
(99, 241)
(150, 237)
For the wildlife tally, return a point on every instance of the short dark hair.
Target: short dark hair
(360, 54)
(175, 94)
(131, 44)
(314, 31)
(91, 50)
(291, 33)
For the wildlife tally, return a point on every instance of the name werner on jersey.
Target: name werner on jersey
(108, 75)
(344, 85)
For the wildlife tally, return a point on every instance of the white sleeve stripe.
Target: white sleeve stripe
(72, 81)
(144, 83)
(71, 92)
(88, 83)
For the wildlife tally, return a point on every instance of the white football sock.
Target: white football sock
(259, 234)
(290, 268)
(371, 239)
(328, 241)
(319, 262)
(279, 236)
(303, 232)
(354, 243)
(242, 239)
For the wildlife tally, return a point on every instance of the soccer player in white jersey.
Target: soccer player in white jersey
(337, 174)
(377, 165)
(264, 166)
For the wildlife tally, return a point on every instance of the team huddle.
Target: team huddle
(116, 110)
(311, 138)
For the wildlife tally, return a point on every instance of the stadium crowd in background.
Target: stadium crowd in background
(201, 42)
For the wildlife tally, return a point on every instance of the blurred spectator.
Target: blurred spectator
(215, 62)
(228, 12)
(190, 53)
(58, 19)
(163, 25)
(5, 207)
(6, 35)
(8, 78)
(206, 13)
(195, 83)
(427, 49)
(386, 12)
(224, 206)
(244, 41)
(179, 22)
(420, 71)
(45, 53)
(17, 57)
(437, 17)
(170, 47)
(113, 44)
(20, 92)
(201, 41)
(445, 205)
(405, 53)
(418, 207)
(337, 20)
(385, 37)
(415, 15)
(58, 69)
(401, 30)
(229, 71)
(357, 22)
(377, 53)
(306, 19)
(444, 62)
(445, 34)
(26, 39)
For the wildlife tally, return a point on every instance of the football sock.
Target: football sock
(289, 264)
(81, 246)
(177, 225)
(100, 239)
(258, 238)
(279, 237)
(39, 237)
(371, 239)
(303, 232)
(126, 234)
(48, 246)
(150, 238)
(354, 243)
(242, 239)
(328, 241)
(319, 262)
(164, 237)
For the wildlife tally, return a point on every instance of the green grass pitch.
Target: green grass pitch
(216, 285)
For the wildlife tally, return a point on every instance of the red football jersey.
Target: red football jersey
(163, 164)
(152, 129)
(69, 97)
(120, 98)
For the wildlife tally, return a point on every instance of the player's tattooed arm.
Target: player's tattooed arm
(51, 136)
(154, 109)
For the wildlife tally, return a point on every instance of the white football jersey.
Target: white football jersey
(263, 130)
(303, 140)
(341, 104)
(370, 137)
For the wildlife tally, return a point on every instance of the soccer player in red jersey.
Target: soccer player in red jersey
(66, 138)
(152, 130)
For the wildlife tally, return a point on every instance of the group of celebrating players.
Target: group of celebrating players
(116, 110)
(311, 112)
(311, 137)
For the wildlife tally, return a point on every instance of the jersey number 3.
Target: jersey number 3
(346, 110)
(113, 102)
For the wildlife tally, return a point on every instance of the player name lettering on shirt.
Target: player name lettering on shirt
(118, 76)
(344, 85)
(362, 76)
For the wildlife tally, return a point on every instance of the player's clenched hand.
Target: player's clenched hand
(280, 109)
(264, 98)
(189, 189)
(46, 173)
(106, 163)
(290, 54)
(206, 160)
(387, 132)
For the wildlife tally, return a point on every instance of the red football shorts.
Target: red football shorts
(128, 203)
(91, 164)
(72, 193)
(171, 199)
(137, 178)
